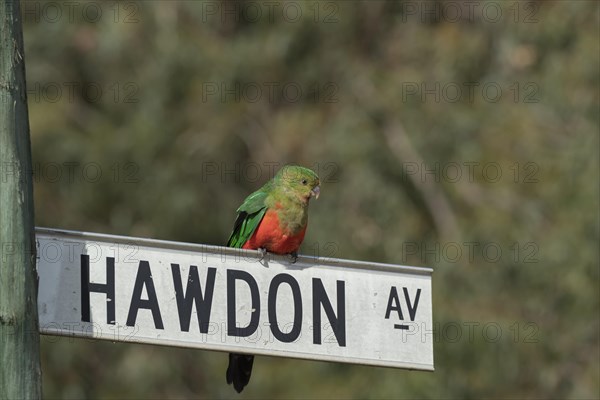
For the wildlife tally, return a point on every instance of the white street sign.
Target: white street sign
(217, 298)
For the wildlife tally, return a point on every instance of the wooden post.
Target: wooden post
(20, 374)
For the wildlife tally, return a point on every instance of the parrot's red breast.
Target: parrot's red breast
(270, 235)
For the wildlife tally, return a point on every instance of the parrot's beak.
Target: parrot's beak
(315, 192)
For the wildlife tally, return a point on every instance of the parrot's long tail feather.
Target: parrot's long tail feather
(239, 370)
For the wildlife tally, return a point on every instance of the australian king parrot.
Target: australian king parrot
(273, 219)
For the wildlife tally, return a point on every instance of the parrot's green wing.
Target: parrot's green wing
(250, 213)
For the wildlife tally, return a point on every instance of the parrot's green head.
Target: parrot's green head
(299, 181)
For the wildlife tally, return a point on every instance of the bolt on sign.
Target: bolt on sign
(218, 298)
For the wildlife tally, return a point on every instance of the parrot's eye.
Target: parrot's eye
(304, 181)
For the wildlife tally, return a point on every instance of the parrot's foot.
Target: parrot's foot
(294, 256)
(263, 253)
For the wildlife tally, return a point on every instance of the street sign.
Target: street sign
(217, 298)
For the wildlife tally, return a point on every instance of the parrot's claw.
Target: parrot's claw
(294, 256)
(263, 253)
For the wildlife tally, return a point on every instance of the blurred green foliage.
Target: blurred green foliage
(145, 93)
